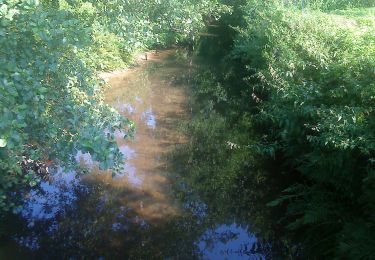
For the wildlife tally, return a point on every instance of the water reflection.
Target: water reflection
(51, 198)
(85, 159)
(149, 118)
(127, 152)
(228, 242)
(126, 108)
(135, 214)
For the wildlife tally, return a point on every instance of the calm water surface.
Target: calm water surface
(136, 214)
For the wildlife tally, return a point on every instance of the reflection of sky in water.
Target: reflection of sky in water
(119, 227)
(124, 223)
(52, 198)
(138, 99)
(126, 108)
(85, 158)
(30, 242)
(127, 152)
(119, 134)
(121, 223)
(228, 242)
(130, 171)
(149, 118)
(197, 208)
(47, 202)
(133, 178)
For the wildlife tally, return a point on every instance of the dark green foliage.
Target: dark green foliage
(323, 5)
(307, 78)
(320, 80)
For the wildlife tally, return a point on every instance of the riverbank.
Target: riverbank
(141, 212)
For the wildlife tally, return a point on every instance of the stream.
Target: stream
(136, 214)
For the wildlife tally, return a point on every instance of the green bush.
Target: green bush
(123, 27)
(318, 72)
(323, 5)
(51, 98)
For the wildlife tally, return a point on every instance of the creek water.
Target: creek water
(134, 215)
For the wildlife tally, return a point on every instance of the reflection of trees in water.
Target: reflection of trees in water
(234, 183)
(97, 226)
(218, 188)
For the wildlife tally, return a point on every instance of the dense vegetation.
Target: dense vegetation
(290, 105)
(51, 97)
(284, 117)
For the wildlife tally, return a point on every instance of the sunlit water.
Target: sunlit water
(134, 214)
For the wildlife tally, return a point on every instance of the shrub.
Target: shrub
(318, 72)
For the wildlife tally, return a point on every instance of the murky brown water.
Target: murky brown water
(134, 215)
(157, 106)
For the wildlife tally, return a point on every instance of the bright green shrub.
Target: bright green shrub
(51, 103)
(123, 27)
(323, 5)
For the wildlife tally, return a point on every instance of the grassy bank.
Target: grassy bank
(292, 93)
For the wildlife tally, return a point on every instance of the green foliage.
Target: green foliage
(323, 5)
(221, 165)
(295, 82)
(307, 80)
(318, 73)
(51, 97)
(123, 27)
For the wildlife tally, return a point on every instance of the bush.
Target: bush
(51, 97)
(318, 73)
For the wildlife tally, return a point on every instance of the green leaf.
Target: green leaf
(3, 143)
